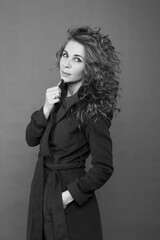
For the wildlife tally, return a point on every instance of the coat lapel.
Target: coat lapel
(67, 103)
(44, 148)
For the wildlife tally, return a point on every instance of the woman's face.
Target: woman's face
(72, 62)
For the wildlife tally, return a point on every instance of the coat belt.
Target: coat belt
(54, 166)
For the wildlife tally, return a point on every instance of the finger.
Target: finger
(52, 98)
(54, 89)
(60, 82)
(53, 95)
(53, 101)
(64, 206)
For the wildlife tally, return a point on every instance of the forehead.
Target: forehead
(75, 48)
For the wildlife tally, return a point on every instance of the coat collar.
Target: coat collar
(67, 103)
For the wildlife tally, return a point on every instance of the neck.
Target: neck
(73, 88)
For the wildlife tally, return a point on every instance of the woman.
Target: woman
(73, 123)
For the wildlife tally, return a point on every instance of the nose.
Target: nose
(67, 63)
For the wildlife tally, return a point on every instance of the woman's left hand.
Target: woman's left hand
(66, 198)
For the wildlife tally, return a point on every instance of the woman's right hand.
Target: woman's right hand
(53, 96)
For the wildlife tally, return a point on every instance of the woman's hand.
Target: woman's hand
(53, 96)
(66, 198)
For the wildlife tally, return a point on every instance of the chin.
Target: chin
(66, 79)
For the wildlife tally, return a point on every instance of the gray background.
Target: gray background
(30, 33)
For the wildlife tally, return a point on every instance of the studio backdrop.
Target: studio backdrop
(31, 31)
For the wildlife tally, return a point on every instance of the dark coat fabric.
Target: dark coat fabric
(64, 148)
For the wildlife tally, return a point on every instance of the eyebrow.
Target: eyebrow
(76, 55)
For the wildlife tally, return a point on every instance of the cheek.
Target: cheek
(61, 62)
(80, 71)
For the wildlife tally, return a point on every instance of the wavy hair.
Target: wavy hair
(99, 90)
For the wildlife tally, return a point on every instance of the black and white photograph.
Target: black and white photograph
(80, 120)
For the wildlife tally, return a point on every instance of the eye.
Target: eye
(64, 54)
(76, 59)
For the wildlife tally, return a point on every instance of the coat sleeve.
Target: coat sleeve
(100, 143)
(36, 128)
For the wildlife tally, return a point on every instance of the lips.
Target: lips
(65, 73)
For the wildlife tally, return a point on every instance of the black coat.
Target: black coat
(63, 151)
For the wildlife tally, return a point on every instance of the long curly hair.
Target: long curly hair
(99, 90)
